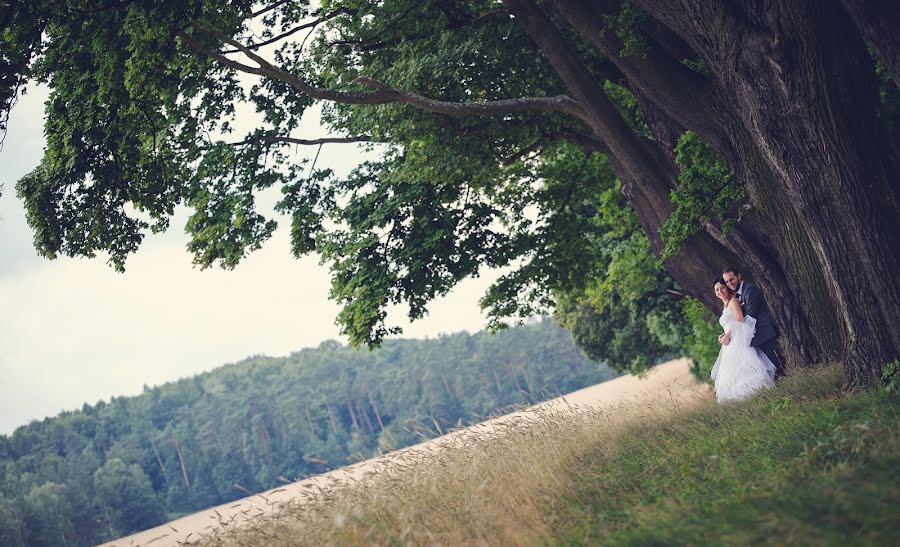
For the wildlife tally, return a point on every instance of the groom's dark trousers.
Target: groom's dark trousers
(766, 338)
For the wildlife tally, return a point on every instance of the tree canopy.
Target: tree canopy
(735, 134)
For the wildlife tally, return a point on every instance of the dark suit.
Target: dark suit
(766, 338)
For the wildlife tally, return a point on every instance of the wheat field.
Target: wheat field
(492, 483)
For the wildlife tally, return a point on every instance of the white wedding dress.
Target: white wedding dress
(740, 370)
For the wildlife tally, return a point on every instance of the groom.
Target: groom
(754, 304)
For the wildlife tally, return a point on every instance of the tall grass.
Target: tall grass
(803, 463)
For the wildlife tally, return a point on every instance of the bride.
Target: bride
(740, 370)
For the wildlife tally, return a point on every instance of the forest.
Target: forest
(116, 467)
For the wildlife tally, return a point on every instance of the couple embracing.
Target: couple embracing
(750, 358)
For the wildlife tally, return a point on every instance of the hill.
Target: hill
(134, 462)
(804, 463)
(403, 468)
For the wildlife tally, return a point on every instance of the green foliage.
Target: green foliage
(626, 315)
(579, 213)
(10, 524)
(20, 40)
(127, 497)
(405, 236)
(116, 467)
(620, 307)
(628, 25)
(697, 65)
(891, 376)
(139, 121)
(627, 106)
(707, 189)
(47, 508)
(701, 343)
(126, 122)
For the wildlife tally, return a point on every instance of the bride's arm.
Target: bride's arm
(725, 337)
(736, 310)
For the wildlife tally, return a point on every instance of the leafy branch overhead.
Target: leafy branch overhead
(708, 192)
(408, 227)
(723, 154)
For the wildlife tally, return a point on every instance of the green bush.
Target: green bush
(702, 343)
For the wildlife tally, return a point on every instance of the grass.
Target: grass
(803, 463)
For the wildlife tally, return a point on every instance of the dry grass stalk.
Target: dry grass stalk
(479, 487)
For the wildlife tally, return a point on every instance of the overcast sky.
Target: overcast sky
(74, 331)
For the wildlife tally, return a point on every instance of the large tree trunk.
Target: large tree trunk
(762, 261)
(793, 106)
(674, 98)
(649, 178)
(647, 174)
(805, 95)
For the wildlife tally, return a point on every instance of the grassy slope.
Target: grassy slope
(804, 464)
(801, 464)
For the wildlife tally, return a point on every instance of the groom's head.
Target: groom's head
(732, 277)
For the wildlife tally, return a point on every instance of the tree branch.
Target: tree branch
(197, 46)
(276, 139)
(683, 94)
(587, 142)
(533, 147)
(311, 24)
(384, 94)
(559, 103)
(482, 17)
(573, 137)
(677, 295)
(370, 45)
(269, 8)
(386, 28)
(600, 113)
(360, 45)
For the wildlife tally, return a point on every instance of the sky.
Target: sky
(75, 331)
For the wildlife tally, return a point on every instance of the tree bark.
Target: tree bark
(312, 428)
(648, 176)
(497, 380)
(805, 98)
(759, 256)
(377, 413)
(879, 22)
(184, 473)
(353, 416)
(334, 427)
(365, 414)
(771, 64)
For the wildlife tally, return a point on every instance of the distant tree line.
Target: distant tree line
(114, 468)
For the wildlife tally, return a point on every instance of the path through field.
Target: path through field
(672, 381)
